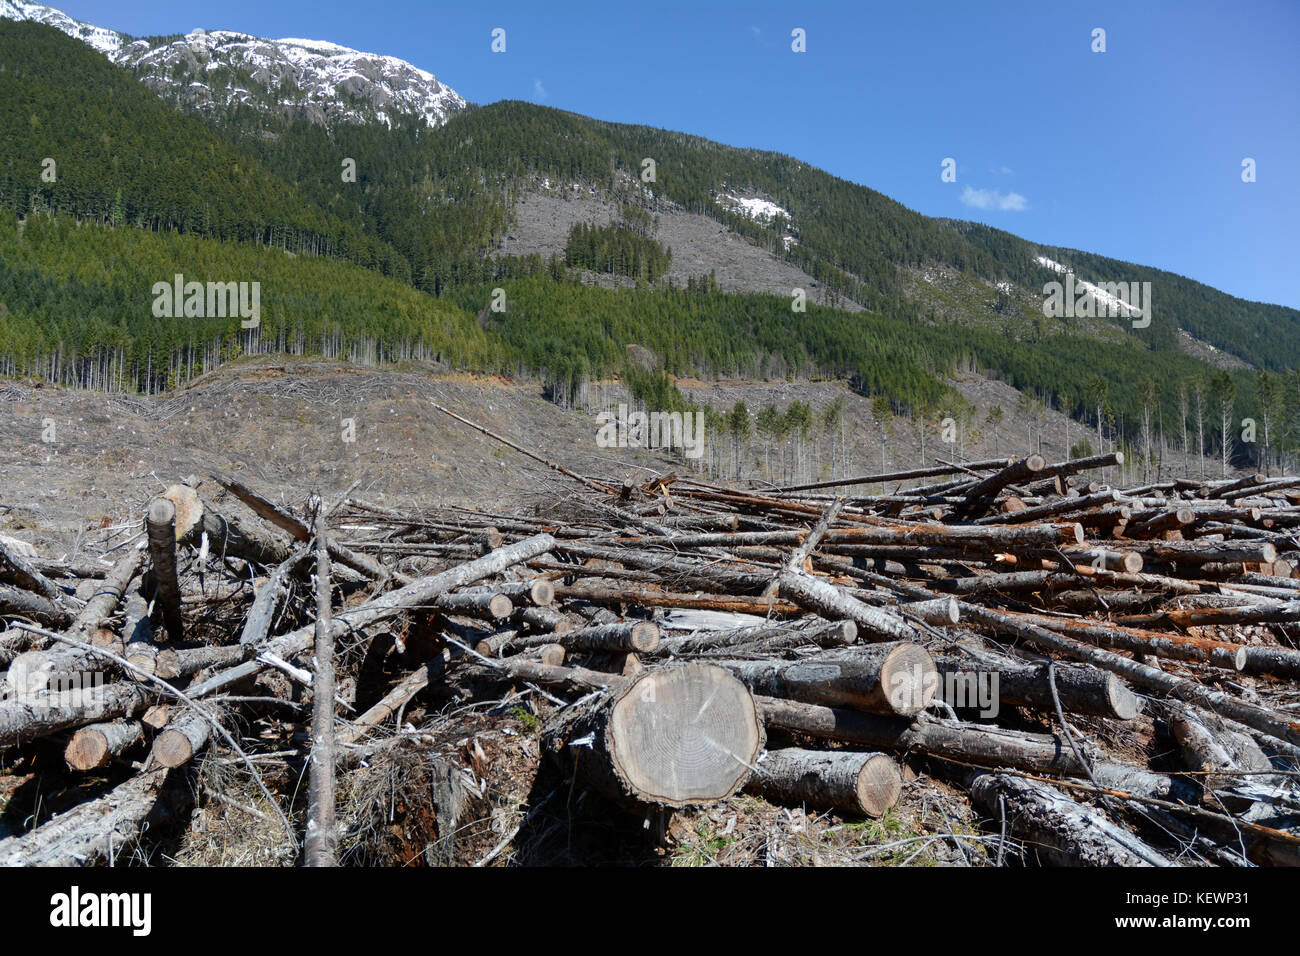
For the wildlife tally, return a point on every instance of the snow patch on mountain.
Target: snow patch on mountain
(752, 207)
(1112, 302)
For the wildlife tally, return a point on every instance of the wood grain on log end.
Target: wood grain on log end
(188, 508)
(541, 592)
(1126, 704)
(551, 654)
(683, 734)
(908, 678)
(87, 749)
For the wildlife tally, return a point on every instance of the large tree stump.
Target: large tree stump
(676, 736)
(161, 523)
(227, 536)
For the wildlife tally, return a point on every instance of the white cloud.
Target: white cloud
(539, 91)
(992, 199)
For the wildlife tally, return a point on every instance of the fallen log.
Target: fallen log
(820, 634)
(101, 829)
(646, 597)
(896, 679)
(186, 735)
(966, 743)
(107, 594)
(485, 605)
(1060, 831)
(1080, 690)
(422, 591)
(228, 537)
(640, 637)
(269, 511)
(19, 603)
(92, 747)
(270, 597)
(821, 597)
(864, 784)
(16, 567)
(41, 714)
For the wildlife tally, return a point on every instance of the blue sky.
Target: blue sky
(1134, 153)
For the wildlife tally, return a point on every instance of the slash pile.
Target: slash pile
(1111, 675)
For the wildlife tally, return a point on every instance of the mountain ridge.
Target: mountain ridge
(322, 81)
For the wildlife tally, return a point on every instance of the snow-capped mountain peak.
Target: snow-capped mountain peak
(214, 69)
(105, 41)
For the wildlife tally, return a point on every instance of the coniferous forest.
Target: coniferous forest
(105, 190)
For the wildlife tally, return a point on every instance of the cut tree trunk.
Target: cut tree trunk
(863, 784)
(322, 835)
(896, 679)
(184, 737)
(161, 525)
(676, 736)
(92, 747)
(1081, 690)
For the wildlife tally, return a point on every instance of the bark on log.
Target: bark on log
(640, 637)
(1081, 690)
(822, 634)
(15, 602)
(102, 829)
(1017, 471)
(864, 784)
(268, 601)
(896, 679)
(676, 736)
(107, 594)
(648, 597)
(938, 611)
(982, 744)
(1059, 831)
(38, 715)
(227, 536)
(321, 847)
(830, 602)
(893, 476)
(542, 619)
(19, 569)
(540, 592)
(484, 605)
(269, 511)
(161, 525)
(92, 747)
(185, 736)
(1262, 719)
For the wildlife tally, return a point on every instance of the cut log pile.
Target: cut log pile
(1110, 675)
